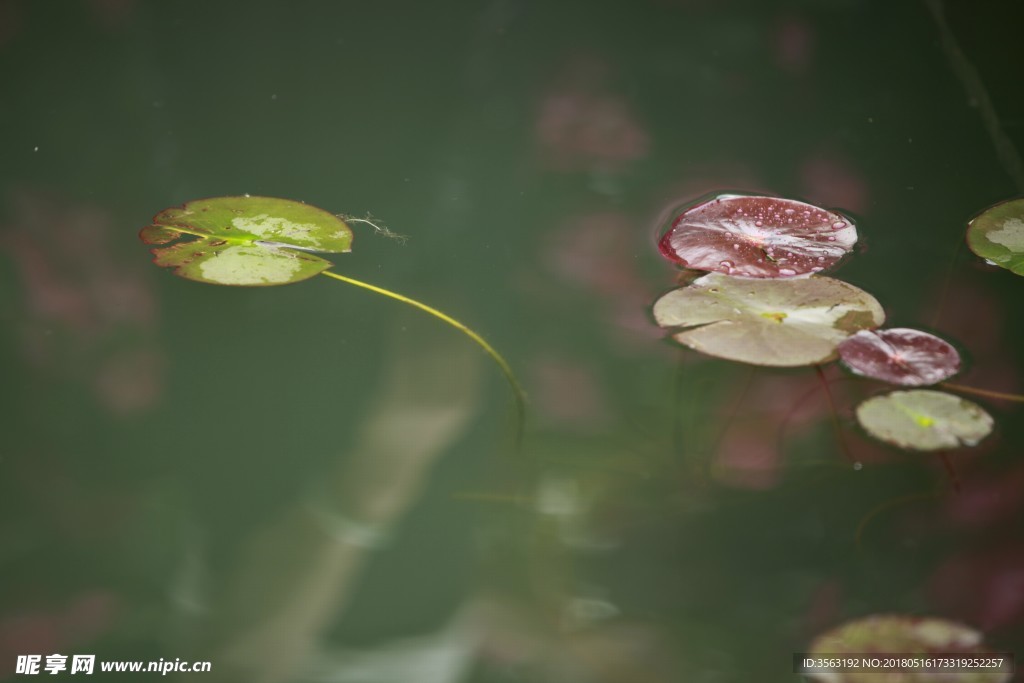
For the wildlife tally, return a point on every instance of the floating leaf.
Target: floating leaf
(924, 420)
(875, 636)
(762, 237)
(246, 240)
(900, 356)
(768, 322)
(260, 241)
(997, 234)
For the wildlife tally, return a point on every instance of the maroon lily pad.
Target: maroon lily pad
(761, 237)
(900, 356)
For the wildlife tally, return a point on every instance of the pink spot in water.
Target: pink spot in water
(793, 42)
(746, 459)
(568, 393)
(831, 182)
(85, 304)
(596, 253)
(982, 587)
(56, 629)
(988, 499)
(583, 125)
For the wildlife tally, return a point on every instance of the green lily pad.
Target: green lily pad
(783, 323)
(997, 235)
(924, 420)
(848, 654)
(246, 241)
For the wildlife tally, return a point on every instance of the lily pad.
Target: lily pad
(247, 241)
(900, 356)
(844, 650)
(783, 323)
(924, 420)
(997, 234)
(762, 237)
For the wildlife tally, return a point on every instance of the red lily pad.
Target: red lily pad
(847, 654)
(900, 356)
(760, 237)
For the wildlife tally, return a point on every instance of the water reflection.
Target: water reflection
(88, 316)
(581, 125)
(294, 575)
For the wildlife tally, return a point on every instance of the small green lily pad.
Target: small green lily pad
(856, 652)
(924, 420)
(784, 323)
(246, 241)
(997, 235)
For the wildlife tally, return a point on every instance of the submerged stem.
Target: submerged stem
(506, 369)
(780, 436)
(733, 410)
(946, 280)
(678, 430)
(948, 465)
(836, 427)
(978, 96)
(999, 395)
(883, 507)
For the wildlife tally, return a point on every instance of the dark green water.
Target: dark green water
(170, 448)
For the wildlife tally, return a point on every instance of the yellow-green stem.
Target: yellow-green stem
(506, 369)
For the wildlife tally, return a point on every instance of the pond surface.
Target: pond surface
(316, 483)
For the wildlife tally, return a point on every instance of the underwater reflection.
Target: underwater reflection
(295, 575)
(89, 317)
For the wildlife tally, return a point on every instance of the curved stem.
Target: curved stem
(950, 472)
(968, 76)
(836, 427)
(883, 507)
(678, 431)
(946, 280)
(998, 395)
(733, 410)
(506, 369)
(780, 435)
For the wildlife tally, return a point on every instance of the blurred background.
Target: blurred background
(314, 483)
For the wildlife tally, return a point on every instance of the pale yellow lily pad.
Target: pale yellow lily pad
(924, 420)
(785, 323)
